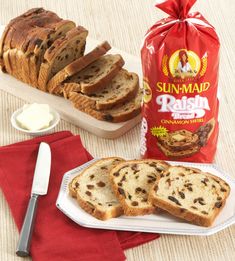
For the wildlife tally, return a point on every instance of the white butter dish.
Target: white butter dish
(55, 120)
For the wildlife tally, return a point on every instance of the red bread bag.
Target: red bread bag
(180, 62)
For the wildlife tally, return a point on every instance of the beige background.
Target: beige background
(123, 23)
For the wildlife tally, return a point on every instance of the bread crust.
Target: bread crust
(183, 213)
(77, 66)
(95, 211)
(129, 210)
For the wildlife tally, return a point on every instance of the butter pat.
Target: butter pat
(35, 117)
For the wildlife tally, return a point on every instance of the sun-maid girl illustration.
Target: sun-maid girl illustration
(184, 68)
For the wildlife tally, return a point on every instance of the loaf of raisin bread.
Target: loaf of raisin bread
(123, 87)
(93, 190)
(123, 112)
(96, 75)
(25, 40)
(131, 182)
(190, 194)
(54, 84)
(62, 52)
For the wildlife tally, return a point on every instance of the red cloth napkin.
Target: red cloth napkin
(55, 236)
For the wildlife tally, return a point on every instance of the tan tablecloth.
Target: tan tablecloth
(123, 23)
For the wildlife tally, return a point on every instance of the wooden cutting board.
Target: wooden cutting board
(65, 108)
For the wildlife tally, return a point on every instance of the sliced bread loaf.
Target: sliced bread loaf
(132, 181)
(96, 75)
(31, 34)
(47, 37)
(62, 52)
(124, 112)
(93, 190)
(190, 194)
(123, 87)
(76, 66)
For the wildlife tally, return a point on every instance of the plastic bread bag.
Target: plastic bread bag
(180, 62)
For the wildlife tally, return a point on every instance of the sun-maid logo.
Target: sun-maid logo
(184, 65)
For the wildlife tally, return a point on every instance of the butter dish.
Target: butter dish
(33, 131)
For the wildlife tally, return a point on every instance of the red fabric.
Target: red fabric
(55, 236)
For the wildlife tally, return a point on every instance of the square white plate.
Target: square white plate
(162, 223)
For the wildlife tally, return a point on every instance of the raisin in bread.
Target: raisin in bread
(96, 75)
(123, 112)
(93, 191)
(61, 53)
(29, 35)
(132, 181)
(123, 87)
(190, 194)
(53, 85)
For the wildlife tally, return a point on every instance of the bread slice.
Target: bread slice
(190, 194)
(131, 182)
(124, 112)
(93, 190)
(96, 75)
(53, 85)
(61, 53)
(179, 140)
(174, 155)
(123, 87)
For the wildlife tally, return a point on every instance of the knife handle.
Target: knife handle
(27, 228)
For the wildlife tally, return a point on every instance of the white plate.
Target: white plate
(162, 223)
(64, 107)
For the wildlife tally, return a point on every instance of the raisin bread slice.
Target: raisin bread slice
(179, 140)
(96, 75)
(190, 194)
(93, 190)
(61, 53)
(132, 181)
(174, 155)
(76, 66)
(123, 87)
(123, 112)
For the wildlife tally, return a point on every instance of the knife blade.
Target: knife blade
(39, 188)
